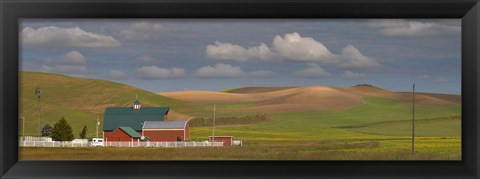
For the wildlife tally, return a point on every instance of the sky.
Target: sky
(161, 55)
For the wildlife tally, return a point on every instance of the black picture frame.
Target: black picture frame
(13, 10)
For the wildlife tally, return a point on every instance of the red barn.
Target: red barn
(119, 120)
(227, 140)
(166, 130)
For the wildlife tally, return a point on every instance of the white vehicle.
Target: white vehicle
(97, 142)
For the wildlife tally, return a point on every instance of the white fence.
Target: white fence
(117, 144)
(161, 144)
(31, 138)
(51, 144)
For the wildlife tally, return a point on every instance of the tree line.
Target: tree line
(62, 131)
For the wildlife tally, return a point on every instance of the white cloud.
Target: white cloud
(228, 51)
(313, 71)
(295, 47)
(143, 31)
(117, 75)
(353, 76)
(73, 58)
(409, 28)
(58, 37)
(351, 57)
(72, 62)
(262, 74)
(154, 72)
(220, 70)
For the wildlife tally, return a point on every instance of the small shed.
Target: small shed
(166, 130)
(227, 140)
(124, 134)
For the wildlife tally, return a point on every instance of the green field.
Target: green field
(377, 118)
(378, 129)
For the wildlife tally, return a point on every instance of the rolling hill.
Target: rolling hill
(327, 112)
(304, 98)
(310, 112)
(80, 100)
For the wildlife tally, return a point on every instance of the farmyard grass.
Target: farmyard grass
(426, 149)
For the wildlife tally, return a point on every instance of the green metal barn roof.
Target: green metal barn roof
(132, 133)
(116, 117)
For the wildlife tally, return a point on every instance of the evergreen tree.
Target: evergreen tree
(83, 134)
(62, 131)
(46, 130)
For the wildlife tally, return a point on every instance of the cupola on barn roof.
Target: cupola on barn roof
(136, 105)
(136, 102)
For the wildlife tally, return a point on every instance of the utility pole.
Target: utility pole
(213, 129)
(98, 115)
(38, 116)
(98, 123)
(413, 120)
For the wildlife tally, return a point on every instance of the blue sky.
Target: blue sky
(215, 54)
